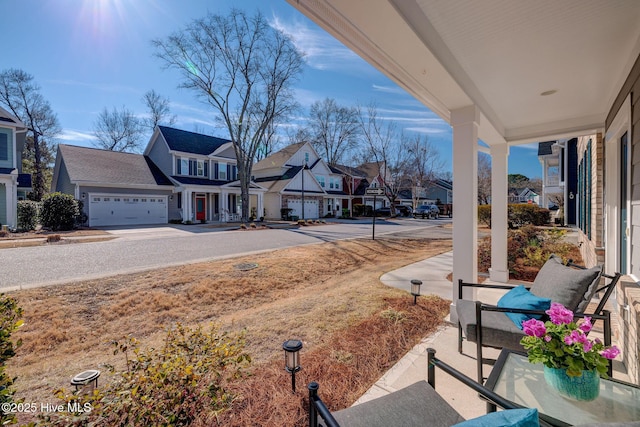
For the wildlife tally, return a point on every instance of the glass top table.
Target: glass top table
(521, 382)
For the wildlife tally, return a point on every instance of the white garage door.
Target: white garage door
(126, 209)
(310, 208)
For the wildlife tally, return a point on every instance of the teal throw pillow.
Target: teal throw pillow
(511, 417)
(520, 297)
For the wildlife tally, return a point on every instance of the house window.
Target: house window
(306, 157)
(337, 183)
(4, 146)
(200, 168)
(222, 171)
(320, 180)
(184, 167)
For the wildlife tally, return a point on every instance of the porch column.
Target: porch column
(186, 206)
(11, 189)
(224, 206)
(499, 271)
(464, 122)
(260, 212)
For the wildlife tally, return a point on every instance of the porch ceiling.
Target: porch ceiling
(500, 55)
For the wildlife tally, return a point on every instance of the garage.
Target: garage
(310, 208)
(126, 209)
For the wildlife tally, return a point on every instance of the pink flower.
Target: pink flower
(534, 328)
(586, 325)
(559, 314)
(610, 353)
(586, 346)
(547, 338)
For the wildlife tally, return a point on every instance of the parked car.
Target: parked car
(427, 211)
(382, 212)
(404, 210)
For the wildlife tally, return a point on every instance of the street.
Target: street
(144, 250)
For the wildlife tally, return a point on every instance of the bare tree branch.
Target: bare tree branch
(244, 69)
(118, 130)
(159, 110)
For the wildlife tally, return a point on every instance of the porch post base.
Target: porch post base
(498, 275)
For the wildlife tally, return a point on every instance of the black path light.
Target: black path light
(292, 359)
(415, 289)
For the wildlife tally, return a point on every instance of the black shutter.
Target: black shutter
(178, 164)
(206, 169)
(228, 172)
(215, 170)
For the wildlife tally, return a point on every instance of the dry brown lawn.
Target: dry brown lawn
(320, 294)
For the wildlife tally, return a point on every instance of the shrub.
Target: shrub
(484, 215)
(302, 222)
(528, 248)
(362, 210)
(53, 238)
(520, 214)
(59, 211)
(28, 211)
(10, 314)
(171, 386)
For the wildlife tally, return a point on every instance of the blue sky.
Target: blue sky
(90, 54)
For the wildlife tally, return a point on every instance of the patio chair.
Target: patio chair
(416, 405)
(570, 285)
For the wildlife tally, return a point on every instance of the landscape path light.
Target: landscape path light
(415, 289)
(292, 359)
(86, 381)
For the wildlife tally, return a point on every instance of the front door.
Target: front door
(200, 208)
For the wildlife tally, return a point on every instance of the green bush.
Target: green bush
(59, 211)
(10, 321)
(28, 212)
(362, 210)
(183, 381)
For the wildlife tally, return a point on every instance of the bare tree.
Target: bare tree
(244, 69)
(22, 97)
(333, 128)
(159, 110)
(423, 165)
(270, 141)
(297, 135)
(484, 178)
(382, 146)
(118, 130)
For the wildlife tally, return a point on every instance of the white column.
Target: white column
(186, 206)
(260, 212)
(11, 202)
(464, 122)
(224, 207)
(499, 223)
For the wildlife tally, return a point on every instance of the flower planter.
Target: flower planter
(585, 387)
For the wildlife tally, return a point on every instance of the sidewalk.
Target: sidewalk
(413, 366)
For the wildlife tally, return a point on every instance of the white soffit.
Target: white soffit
(499, 54)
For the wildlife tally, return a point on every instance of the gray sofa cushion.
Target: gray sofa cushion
(568, 286)
(415, 405)
(497, 329)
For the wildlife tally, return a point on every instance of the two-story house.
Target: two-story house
(559, 160)
(13, 184)
(295, 177)
(181, 175)
(205, 173)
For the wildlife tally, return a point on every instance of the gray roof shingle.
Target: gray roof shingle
(191, 142)
(110, 167)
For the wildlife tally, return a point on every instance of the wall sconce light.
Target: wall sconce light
(171, 197)
(415, 289)
(84, 196)
(571, 195)
(292, 359)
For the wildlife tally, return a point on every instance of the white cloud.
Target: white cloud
(389, 89)
(76, 136)
(322, 51)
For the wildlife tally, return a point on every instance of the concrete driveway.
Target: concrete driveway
(164, 246)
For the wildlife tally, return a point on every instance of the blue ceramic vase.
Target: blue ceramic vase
(585, 387)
